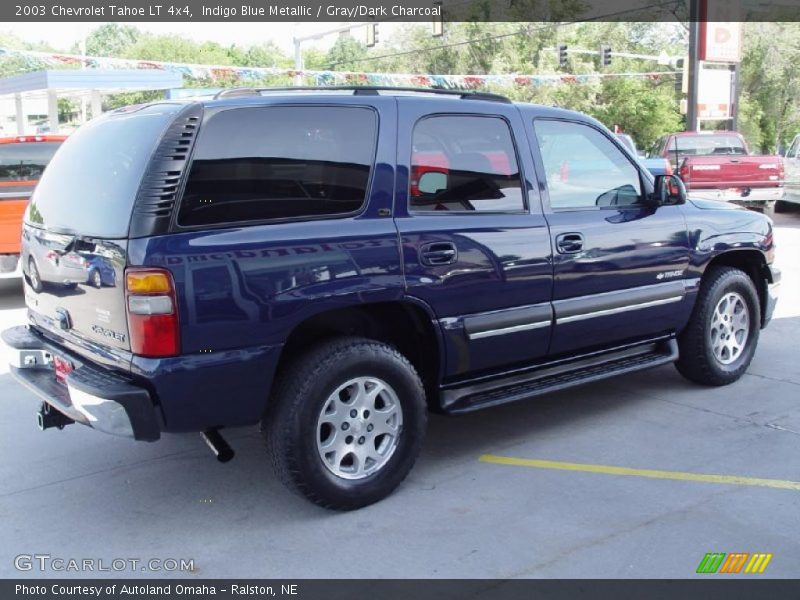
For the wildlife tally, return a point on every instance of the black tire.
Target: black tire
(697, 360)
(96, 279)
(301, 393)
(34, 278)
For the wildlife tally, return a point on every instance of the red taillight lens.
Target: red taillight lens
(152, 312)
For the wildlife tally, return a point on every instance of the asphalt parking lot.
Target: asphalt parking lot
(463, 512)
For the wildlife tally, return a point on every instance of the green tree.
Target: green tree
(111, 39)
(644, 109)
(346, 54)
(769, 109)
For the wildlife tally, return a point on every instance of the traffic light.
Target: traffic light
(605, 55)
(372, 34)
(562, 55)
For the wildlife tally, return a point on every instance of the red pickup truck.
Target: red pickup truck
(22, 160)
(717, 165)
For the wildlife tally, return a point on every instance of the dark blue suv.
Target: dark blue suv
(334, 263)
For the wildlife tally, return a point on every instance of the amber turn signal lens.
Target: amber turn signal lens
(147, 282)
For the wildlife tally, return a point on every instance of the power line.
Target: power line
(505, 35)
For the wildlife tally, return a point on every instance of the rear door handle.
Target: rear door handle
(569, 243)
(438, 253)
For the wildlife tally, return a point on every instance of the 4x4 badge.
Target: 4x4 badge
(669, 274)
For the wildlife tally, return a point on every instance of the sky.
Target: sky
(64, 35)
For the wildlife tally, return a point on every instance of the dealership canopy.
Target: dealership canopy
(87, 83)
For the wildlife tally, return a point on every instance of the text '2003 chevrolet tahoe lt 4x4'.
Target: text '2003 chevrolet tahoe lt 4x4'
(334, 263)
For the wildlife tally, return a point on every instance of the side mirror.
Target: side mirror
(669, 191)
(432, 182)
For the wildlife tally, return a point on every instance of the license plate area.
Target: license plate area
(62, 368)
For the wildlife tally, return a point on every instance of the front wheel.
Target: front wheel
(719, 342)
(346, 423)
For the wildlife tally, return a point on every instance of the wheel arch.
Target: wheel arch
(753, 263)
(407, 325)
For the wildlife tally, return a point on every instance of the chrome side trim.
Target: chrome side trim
(619, 309)
(513, 329)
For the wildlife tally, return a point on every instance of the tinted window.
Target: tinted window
(25, 161)
(253, 164)
(464, 164)
(584, 168)
(90, 185)
(704, 145)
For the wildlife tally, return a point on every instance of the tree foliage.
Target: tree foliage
(770, 84)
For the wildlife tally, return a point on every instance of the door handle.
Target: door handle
(569, 243)
(438, 253)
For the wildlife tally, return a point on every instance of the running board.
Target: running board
(553, 378)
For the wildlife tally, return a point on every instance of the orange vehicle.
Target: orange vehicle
(22, 161)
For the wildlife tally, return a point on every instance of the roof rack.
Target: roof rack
(361, 90)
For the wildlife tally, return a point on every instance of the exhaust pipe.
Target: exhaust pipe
(48, 417)
(214, 440)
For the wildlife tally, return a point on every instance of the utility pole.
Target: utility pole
(298, 62)
(298, 55)
(736, 86)
(692, 122)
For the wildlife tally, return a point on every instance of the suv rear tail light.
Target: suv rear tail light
(152, 312)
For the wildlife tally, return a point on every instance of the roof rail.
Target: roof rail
(361, 90)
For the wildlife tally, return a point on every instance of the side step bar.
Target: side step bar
(554, 378)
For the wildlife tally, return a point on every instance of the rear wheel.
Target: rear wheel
(719, 342)
(346, 423)
(96, 279)
(33, 276)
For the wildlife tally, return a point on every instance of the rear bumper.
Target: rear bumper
(755, 197)
(93, 396)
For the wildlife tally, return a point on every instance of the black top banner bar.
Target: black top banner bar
(392, 10)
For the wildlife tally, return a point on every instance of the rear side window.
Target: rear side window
(464, 163)
(280, 162)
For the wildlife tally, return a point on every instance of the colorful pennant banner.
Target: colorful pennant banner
(242, 75)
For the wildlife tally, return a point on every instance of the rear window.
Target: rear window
(90, 185)
(25, 161)
(279, 162)
(704, 145)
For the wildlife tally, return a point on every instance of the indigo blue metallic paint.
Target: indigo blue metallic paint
(242, 290)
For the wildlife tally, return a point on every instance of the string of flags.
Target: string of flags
(241, 75)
